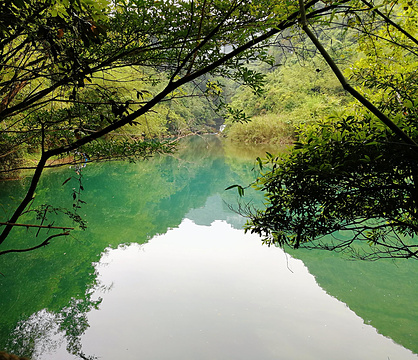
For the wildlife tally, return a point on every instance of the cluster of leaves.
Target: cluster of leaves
(350, 184)
(45, 40)
(343, 175)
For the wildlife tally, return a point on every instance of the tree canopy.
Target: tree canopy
(62, 97)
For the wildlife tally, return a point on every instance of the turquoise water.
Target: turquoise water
(164, 271)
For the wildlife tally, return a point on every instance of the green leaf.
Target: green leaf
(409, 104)
(260, 164)
(239, 188)
(67, 180)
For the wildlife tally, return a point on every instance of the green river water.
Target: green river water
(164, 271)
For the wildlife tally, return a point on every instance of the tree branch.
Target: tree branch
(27, 199)
(38, 226)
(389, 21)
(381, 116)
(43, 243)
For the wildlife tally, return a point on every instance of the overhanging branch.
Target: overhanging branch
(43, 243)
(381, 116)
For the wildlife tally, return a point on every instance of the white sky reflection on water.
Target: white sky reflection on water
(200, 292)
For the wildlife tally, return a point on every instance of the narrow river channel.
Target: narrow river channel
(165, 271)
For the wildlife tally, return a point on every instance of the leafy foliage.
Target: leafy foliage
(61, 95)
(60, 63)
(343, 175)
(350, 184)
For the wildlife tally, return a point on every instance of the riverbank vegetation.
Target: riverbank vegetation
(301, 90)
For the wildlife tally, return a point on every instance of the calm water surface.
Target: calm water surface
(164, 271)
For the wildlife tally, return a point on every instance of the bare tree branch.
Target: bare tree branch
(43, 243)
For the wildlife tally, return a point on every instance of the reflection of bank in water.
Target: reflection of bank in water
(214, 292)
(380, 292)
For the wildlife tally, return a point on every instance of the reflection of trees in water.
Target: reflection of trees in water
(155, 196)
(45, 331)
(35, 335)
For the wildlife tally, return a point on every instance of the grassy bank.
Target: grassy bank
(263, 129)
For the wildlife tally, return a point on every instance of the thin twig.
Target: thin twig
(44, 243)
(38, 226)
